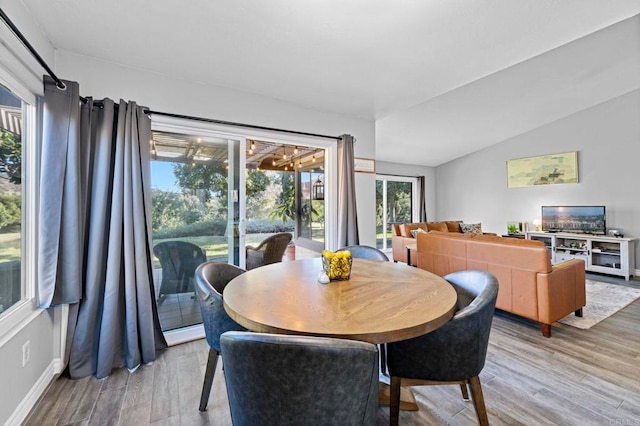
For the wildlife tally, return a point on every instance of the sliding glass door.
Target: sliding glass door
(396, 203)
(196, 215)
(213, 194)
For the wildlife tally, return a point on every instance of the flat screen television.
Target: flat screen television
(575, 219)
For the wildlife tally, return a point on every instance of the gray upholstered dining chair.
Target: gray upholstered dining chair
(275, 379)
(268, 251)
(211, 279)
(366, 252)
(454, 353)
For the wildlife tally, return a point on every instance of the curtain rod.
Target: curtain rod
(31, 50)
(60, 84)
(232, 123)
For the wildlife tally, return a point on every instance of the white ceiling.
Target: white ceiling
(438, 74)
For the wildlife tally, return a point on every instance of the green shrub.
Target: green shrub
(209, 227)
(268, 226)
(10, 211)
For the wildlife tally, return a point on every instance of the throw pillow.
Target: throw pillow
(437, 226)
(471, 228)
(415, 232)
(454, 225)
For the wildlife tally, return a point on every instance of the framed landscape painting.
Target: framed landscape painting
(549, 169)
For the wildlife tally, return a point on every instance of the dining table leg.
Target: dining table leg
(407, 399)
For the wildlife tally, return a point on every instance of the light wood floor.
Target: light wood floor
(577, 377)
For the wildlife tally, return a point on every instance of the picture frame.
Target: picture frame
(364, 165)
(551, 169)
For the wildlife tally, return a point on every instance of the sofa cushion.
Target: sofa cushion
(405, 229)
(415, 232)
(471, 228)
(437, 226)
(454, 225)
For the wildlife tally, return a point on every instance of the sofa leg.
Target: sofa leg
(579, 312)
(546, 330)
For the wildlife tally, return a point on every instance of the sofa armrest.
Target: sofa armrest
(399, 246)
(561, 291)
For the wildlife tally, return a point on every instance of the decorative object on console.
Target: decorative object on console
(513, 228)
(615, 233)
(537, 223)
(471, 228)
(543, 170)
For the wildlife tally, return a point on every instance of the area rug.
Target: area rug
(603, 300)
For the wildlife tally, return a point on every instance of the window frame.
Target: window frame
(21, 313)
(415, 208)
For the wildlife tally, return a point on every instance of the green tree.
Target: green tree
(10, 157)
(212, 179)
(286, 205)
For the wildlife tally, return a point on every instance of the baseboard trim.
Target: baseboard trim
(23, 409)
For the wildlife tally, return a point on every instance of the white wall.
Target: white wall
(607, 138)
(102, 79)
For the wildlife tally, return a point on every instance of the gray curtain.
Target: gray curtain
(95, 230)
(347, 214)
(422, 204)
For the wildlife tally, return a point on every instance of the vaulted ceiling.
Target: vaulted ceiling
(446, 76)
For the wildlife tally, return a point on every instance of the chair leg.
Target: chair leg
(394, 401)
(465, 391)
(212, 362)
(382, 350)
(478, 401)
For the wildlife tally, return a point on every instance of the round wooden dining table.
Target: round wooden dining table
(382, 302)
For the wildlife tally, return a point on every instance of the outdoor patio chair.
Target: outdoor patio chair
(179, 260)
(269, 251)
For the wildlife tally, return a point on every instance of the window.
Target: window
(396, 203)
(12, 172)
(311, 205)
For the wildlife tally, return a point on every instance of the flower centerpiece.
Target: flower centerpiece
(337, 265)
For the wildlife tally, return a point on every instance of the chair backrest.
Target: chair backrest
(179, 260)
(277, 379)
(211, 279)
(189, 255)
(366, 252)
(271, 250)
(458, 349)
(275, 246)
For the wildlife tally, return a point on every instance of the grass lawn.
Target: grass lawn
(216, 246)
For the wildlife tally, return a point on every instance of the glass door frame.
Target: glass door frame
(415, 208)
(188, 126)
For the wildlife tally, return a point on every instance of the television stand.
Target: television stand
(600, 253)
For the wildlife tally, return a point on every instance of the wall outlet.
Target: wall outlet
(26, 352)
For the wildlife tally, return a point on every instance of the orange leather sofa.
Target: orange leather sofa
(401, 236)
(529, 285)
